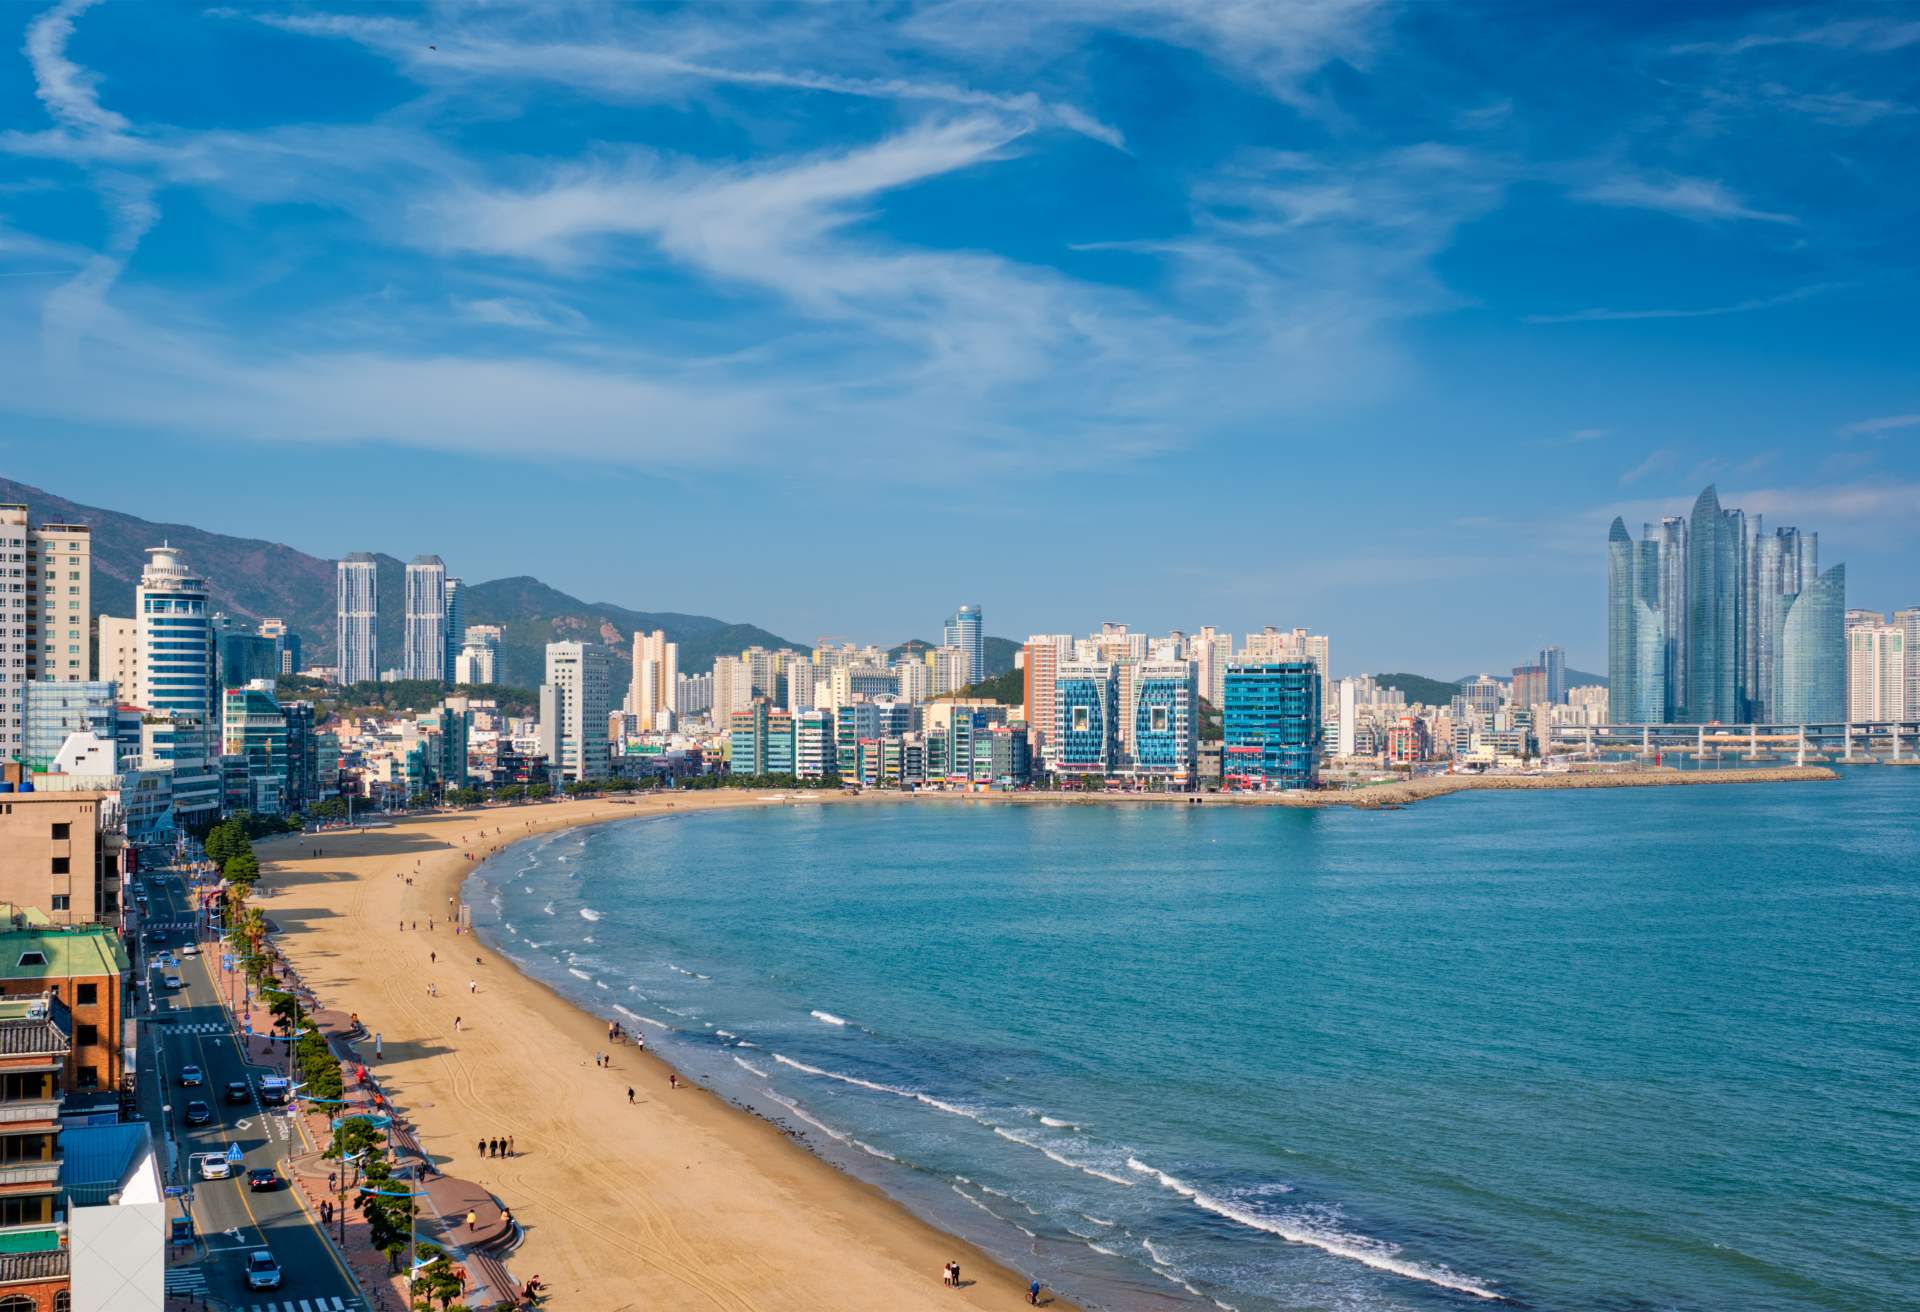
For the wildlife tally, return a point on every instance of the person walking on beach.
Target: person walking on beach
(433, 958)
(673, 1081)
(470, 1218)
(456, 1024)
(1033, 1293)
(509, 1145)
(946, 1275)
(956, 1275)
(629, 1093)
(482, 1148)
(473, 986)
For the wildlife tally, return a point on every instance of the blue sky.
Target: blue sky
(1362, 316)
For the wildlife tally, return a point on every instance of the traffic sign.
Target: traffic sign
(176, 1191)
(234, 1154)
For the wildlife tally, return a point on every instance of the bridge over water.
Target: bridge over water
(1860, 741)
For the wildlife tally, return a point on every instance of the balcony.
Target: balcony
(15, 1113)
(17, 1173)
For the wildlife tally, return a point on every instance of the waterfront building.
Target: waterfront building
(174, 676)
(57, 853)
(1908, 622)
(761, 740)
(1210, 651)
(453, 625)
(1637, 652)
(423, 653)
(1086, 737)
(656, 679)
(803, 684)
(815, 753)
(574, 702)
(732, 688)
(1270, 717)
(966, 630)
(1716, 634)
(1409, 740)
(1811, 665)
(1876, 669)
(54, 710)
(44, 617)
(254, 729)
(1669, 597)
(446, 733)
(1009, 757)
(1040, 665)
(1165, 721)
(357, 619)
(1270, 644)
(1781, 564)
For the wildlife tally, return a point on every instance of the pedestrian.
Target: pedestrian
(416, 924)
(673, 1081)
(473, 986)
(629, 1093)
(956, 1275)
(1033, 1293)
(482, 1149)
(493, 1147)
(332, 1181)
(470, 1218)
(509, 1145)
(456, 1024)
(946, 1275)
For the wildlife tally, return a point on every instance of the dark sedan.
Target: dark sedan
(198, 1113)
(239, 1092)
(263, 1179)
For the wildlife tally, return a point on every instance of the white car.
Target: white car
(190, 949)
(173, 981)
(215, 1166)
(262, 1271)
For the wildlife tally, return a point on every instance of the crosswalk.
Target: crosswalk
(169, 924)
(335, 1304)
(187, 1280)
(201, 1027)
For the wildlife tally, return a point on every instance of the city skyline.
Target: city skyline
(1006, 291)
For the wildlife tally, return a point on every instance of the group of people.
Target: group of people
(497, 1147)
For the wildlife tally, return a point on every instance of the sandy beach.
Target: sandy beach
(679, 1200)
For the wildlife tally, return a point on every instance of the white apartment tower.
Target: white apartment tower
(357, 619)
(574, 703)
(656, 679)
(423, 653)
(46, 604)
(174, 679)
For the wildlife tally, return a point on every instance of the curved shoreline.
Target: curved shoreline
(680, 1199)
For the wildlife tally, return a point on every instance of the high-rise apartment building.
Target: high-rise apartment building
(964, 629)
(1876, 669)
(1554, 661)
(574, 702)
(1669, 597)
(46, 604)
(656, 679)
(357, 619)
(1529, 685)
(423, 641)
(951, 668)
(1210, 650)
(1716, 633)
(1271, 721)
(913, 678)
(1271, 644)
(454, 625)
(1041, 661)
(479, 660)
(1811, 667)
(1908, 622)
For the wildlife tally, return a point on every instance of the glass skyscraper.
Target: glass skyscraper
(1716, 588)
(964, 630)
(1636, 630)
(176, 676)
(1086, 712)
(1164, 697)
(1812, 660)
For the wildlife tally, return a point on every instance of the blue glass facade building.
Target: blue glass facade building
(1811, 664)
(1086, 714)
(1271, 718)
(55, 709)
(1165, 694)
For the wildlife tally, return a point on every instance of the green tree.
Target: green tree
(242, 867)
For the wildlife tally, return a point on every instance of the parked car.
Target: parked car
(263, 1179)
(190, 1076)
(239, 1093)
(262, 1271)
(198, 1113)
(215, 1166)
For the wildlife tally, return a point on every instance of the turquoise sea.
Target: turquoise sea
(1612, 1050)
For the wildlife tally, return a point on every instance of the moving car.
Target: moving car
(274, 1090)
(262, 1179)
(262, 1271)
(173, 981)
(189, 949)
(198, 1113)
(215, 1166)
(238, 1092)
(190, 1076)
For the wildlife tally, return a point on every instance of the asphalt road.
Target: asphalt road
(232, 1220)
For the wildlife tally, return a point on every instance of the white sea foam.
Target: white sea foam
(597, 984)
(1096, 1220)
(726, 1034)
(824, 1128)
(828, 1017)
(1047, 1152)
(1358, 1248)
(928, 1099)
(1101, 1249)
(742, 1062)
(870, 1150)
(1057, 1123)
(588, 913)
(748, 1044)
(1154, 1252)
(675, 1011)
(587, 939)
(548, 908)
(634, 1015)
(532, 944)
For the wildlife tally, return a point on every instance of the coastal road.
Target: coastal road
(191, 1028)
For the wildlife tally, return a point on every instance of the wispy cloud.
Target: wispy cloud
(1602, 315)
(513, 312)
(1700, 199)
(1878, 36)
(70, 93)
(1656, 462)
(1578, 437)
(1884, 424)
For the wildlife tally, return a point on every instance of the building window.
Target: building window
(62, 865)
(32, 959)
(85, 995)
(18, 1303)
(86, 1036)
(61, 902)
(61, 831)
(63, 1301)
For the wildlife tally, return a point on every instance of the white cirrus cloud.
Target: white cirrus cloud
(1883, 424)
(1700, 199)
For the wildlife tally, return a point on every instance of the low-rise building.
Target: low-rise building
(85, 967)
(55, 853)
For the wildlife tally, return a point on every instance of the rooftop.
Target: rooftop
(34, 1027)
(31, 951)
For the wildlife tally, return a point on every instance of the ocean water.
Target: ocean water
(1634, 1049)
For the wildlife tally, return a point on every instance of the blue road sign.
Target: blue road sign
(234, 1154)
(176, 1191)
